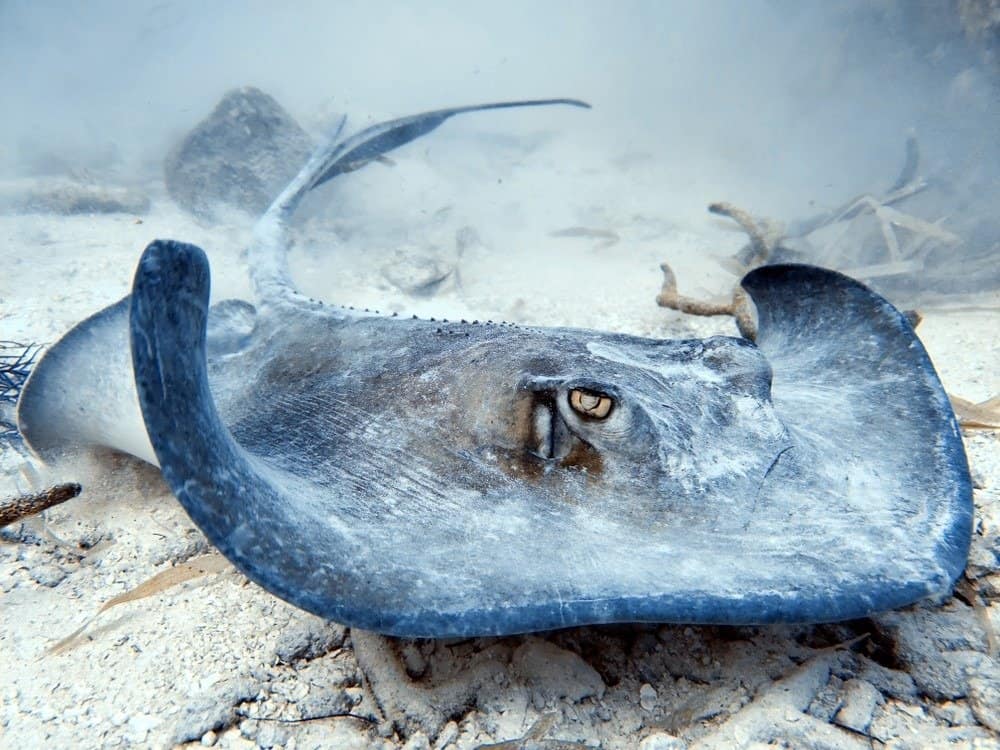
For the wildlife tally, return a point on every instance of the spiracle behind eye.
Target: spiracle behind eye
(592, 404)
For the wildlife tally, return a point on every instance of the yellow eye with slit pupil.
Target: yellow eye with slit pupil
(590, 403)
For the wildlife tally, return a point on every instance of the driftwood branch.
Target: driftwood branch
(18, 508)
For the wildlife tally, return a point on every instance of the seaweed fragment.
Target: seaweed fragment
(166, 579)
(16, 361)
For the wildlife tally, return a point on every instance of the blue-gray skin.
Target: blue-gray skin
(451, 479)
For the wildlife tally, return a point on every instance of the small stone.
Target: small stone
(47, 574)
(417, 741)
(662, 741)
(984, 698)
(554, 673)
(647, 697)
(448, 735)
(956, 713)
(307, 639)
(209, 738)
(413, 660)
(249, 727)
(860, 700)
(418, 272)
(270, 734)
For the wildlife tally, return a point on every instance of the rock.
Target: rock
(940, 647)
(417, 741)
(47, 574)
(955, 713)
(905, 726)
(308, 638)
(947, 677)
(555, 673)
(662, 741)
(891, 682)
(984, 697)
(418, 272)
(449, 733)
(647, 697)
(242, 155)
(69, 197)
(270, 734)
(212, 709)
(984, 556)
(860, 701)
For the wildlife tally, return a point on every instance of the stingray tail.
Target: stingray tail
(269, 251)
(16, 362)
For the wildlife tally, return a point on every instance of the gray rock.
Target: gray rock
(947, 677)
(647, 697)
(417, 741)
(922, 633)
(242, 155)
(940, 647)
(47, 574)
(984, 697)
(984, 556)
(212, 709)
(308, 638)
(271, 735)
(955, 713)
(828, 700)
(891, 682)
(418, 272)
(448, 735)
(860, 700)
(556, 673)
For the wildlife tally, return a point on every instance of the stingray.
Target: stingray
(427, 478)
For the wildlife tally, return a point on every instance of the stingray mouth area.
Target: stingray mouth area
(550, 435)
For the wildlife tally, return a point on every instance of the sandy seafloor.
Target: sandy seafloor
(219, 661)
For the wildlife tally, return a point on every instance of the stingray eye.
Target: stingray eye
(591, 403)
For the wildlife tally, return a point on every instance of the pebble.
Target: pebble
(417, 741)
(647, 697)
(984, 698)
(662, 741)
(556, 673)
(209, 738)
(447, 735)
(860, 700)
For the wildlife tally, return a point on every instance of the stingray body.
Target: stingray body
(426, 478)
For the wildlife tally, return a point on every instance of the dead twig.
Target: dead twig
(739, 306)
(761, 244)
(18, 508)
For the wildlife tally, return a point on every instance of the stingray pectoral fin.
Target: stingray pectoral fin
(876, 446)
(81, 392)
(236, 501)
